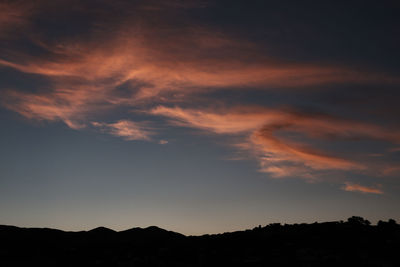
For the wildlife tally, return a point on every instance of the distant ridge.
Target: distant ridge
(151, 232)
(102, 230)
(352, 243)
(97, 230)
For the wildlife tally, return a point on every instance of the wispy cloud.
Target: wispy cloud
(70, 105)
(353, 187)
(223, 122)
(153, 63)
(133, 61)
(126, 129)
(124, 59)
(274, 154)
(261, 131)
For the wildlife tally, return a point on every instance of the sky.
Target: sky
(198, 116)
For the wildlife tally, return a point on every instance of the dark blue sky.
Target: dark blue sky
(198, 116)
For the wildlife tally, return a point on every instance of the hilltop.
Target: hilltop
(355, 242)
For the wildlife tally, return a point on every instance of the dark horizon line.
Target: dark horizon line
(352, 220)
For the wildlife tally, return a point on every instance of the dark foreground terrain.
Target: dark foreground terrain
(351, 243)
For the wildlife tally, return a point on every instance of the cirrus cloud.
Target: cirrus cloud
(261, 130)
(153, 64)
(353, 187)
(148, 57)
(125, 129)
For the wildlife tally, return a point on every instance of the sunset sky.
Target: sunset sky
(198, 116)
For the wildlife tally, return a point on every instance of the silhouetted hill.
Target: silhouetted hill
(351, 243)
(151, 233)
(102, 230)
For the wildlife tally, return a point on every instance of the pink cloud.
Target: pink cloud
(259, 129)
(70, 105)
(85, 73)
(122, 60)
(353, 187)
(275, 153)
(126, 129)
(222, 123)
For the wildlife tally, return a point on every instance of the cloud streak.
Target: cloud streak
(150, 58)
(70, 105)
(353, 187)
(153, 63)
(262, 129)
(126, 129)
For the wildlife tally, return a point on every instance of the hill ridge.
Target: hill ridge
(355, 242)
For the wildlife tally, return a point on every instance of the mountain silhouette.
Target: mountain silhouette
(352, 243)
(151, 232)
(102, 230)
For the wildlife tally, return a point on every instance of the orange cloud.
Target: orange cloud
(260, 129)
(155, 63)
(276, 152)
(126, 129)
(133, 59)
(222, 123)
(70, 105)
(166, 62)
(330, 127)
(352, 187)
(98, 71)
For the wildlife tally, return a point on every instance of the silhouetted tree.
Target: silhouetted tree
(357, 220)
(391, 223)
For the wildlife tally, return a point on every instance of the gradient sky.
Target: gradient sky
(198, 116)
